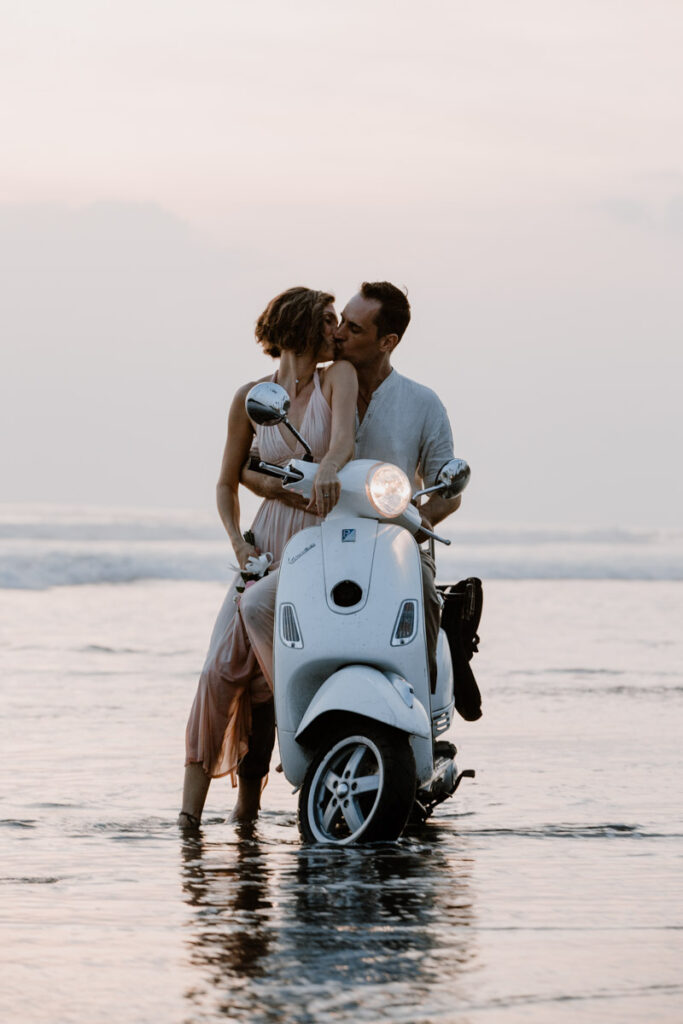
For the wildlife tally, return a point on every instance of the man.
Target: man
(398, 421)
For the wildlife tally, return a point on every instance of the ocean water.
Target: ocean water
(550, 888)
(47, 546)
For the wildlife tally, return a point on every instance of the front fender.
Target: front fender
(363, 690)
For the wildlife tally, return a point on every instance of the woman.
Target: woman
(230, 729)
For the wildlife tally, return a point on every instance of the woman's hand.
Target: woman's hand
(326, 491)
(243, 552)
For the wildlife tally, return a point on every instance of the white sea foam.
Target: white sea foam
(46, 546)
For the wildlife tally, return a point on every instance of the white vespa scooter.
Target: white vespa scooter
(357, 723)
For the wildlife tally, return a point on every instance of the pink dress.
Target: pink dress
(238, 667)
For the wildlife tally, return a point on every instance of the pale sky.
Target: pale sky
(167, 167)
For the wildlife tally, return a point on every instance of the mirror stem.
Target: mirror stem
(428, 490)
(297, 435)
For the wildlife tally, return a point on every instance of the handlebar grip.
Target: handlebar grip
(264, 468)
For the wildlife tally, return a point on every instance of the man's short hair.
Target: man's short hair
(393, 316)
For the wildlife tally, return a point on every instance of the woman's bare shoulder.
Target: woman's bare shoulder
(238, 412)
(244, 389)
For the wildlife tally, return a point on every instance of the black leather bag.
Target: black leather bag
(460, 619)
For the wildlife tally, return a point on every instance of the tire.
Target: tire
(377, 766)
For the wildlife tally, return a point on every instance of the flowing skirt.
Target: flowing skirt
(238, 671)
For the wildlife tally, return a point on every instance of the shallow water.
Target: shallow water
(548, 889)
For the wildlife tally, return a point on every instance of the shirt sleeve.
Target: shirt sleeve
(437, 441)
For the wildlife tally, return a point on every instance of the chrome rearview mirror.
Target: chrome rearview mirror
(451, 480)
(268, 404)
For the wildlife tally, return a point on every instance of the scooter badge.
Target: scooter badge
(348, 536)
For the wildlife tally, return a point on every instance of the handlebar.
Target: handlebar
(289, 475)
(354, 500)
(255, 464)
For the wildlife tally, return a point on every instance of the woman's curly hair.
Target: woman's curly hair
(293, 321)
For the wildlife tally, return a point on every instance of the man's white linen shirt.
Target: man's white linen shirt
(407, 424)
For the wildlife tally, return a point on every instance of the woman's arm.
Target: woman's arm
(341, 380)
(237, 445)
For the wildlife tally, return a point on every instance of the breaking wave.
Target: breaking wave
(48, 546)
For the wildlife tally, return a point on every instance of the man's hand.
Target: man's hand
(434, 511)
(421, 537)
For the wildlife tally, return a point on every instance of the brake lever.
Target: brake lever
(435, 536)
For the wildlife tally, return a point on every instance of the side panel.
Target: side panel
(443, 697)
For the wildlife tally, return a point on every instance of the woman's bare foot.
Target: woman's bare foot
(188, 822)
(248, 800)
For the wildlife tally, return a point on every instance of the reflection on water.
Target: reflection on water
(325, 930)
(231, 934)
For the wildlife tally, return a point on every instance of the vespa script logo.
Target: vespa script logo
(295, 558)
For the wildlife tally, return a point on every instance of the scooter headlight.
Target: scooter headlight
(388, 489)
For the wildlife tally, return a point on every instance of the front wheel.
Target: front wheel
(360, 786)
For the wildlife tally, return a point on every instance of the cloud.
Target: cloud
(103, 236)
(655, 203)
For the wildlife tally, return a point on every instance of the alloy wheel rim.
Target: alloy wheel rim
(345, 790)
